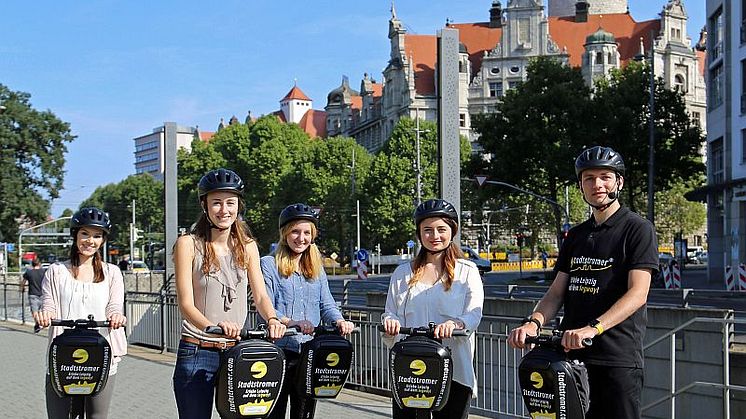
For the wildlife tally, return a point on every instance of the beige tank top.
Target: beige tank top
(220, 295)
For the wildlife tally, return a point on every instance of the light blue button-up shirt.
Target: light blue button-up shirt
(299, 298)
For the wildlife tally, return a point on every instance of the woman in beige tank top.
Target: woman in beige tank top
(215, 266)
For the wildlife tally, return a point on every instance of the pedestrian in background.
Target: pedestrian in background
(82, 286)
(602, 278)
(439, 286)
(297, 284)
(215, 267)
(33, 278)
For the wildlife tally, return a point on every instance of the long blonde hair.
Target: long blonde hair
(452, 254)
(310, 260)
(240, 236)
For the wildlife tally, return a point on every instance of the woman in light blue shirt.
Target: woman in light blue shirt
(297, 285)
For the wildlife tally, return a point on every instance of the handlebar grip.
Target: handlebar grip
(423, 331)
(587, 342)
(215, 330)
(81, 323)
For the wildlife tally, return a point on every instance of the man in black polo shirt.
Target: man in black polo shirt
(33, 277)
(602, 277)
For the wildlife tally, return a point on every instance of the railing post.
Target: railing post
(345, 292)
(23, 306)
(5, 299)
(162, 302)
(673, 375)
(726, 369)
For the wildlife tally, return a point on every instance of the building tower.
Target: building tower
(595, 7)
(601, 55)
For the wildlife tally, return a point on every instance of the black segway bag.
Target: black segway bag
(553, 386)
(422, 370)
(79, 362)
(323, 366)
(249, 380)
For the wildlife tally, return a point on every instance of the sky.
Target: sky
(117, 69)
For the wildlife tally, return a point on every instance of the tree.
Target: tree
(391, 186)
(675, 215)
(535, 134)
(67, 212)
(622, 118)
(116, 199)
(32, 160)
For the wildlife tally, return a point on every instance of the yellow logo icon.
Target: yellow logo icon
(537, 380)
(332, 359)
(80, 356)
(418, 367)
(259, 369)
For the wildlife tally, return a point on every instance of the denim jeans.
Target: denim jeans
(194, 380)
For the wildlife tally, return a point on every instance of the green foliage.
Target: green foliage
(116, 199)
(675, 214)
(534, 136)
(32, 160)
(622, 119)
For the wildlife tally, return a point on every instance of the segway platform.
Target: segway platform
(79, 360)
(324, 365)
(552, 386)
(249, 379)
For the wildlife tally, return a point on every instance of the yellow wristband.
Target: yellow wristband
(599, 329)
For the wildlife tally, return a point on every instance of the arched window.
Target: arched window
(599, 57)
(679, 83)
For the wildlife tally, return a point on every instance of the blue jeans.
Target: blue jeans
(194, 380)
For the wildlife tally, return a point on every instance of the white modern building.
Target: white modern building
(150, 148)
(726, 135)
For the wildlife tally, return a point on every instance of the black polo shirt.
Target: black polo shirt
(598, 259)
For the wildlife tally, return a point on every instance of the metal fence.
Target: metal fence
(154, 321)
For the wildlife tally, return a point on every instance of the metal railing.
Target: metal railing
(726, 387)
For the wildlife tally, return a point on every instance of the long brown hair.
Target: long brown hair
(98, 265)
(310, 260)
(240, 237)
(452, 253)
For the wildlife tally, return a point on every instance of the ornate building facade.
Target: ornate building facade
(597, 36)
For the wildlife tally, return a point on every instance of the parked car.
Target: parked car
(139, 266)
(700, 257)
(484, 265)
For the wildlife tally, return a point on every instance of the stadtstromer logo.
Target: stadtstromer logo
(583, 263)
(259, 369)
(537, 381)
(418, 367)
(80, 356)
(332, 359)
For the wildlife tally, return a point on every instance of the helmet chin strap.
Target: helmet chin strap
(209, 221)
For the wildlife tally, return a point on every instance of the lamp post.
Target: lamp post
(651, 123)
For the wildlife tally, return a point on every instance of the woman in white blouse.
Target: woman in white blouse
(439, 286)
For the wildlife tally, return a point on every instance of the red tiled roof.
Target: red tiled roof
(314, 123)
(357, 102)
(568, 33)
(423, 50)
(206, 135)
(377, 89)
(295, 93)
(280, 115)
(479, 37)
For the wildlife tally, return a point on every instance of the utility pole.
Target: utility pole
(651, 139)
(357, 201)
(132, 234)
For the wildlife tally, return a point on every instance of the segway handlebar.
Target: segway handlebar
(553, 341)
(325, 329)
(260, 333)
(88, 323)
(427, 331)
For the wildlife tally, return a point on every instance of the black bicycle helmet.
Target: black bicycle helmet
(220, 180)
(599, 157)
(298, 212)
(435, 208)
(89, 217)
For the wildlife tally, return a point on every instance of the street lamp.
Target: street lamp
(418, 165)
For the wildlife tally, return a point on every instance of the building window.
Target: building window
(697, 118)
(716, 161)
(462, 120)
(679, 83)
(515, 69)
(495, 70)
(612, 58)
(716, 88)
(599, 57)
(715, 35)
(146, 146)
(496, 89)
(513, 84)
(524, 31)
(743, 146)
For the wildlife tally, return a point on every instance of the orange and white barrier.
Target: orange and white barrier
(675, 276)
(667, 277)
(741, 278)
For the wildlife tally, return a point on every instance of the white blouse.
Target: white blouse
(421, 304)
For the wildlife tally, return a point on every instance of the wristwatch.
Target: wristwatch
(596, 324)
(530, 319)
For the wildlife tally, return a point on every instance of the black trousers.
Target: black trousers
(459, 399)
(615, 392)
(301, 407)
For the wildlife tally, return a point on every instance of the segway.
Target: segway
(79, 362)
(552, 385)
(421, 369)
(251, 375)
(324, 363)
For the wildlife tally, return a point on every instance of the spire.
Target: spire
(221, 125)
(393, 10)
